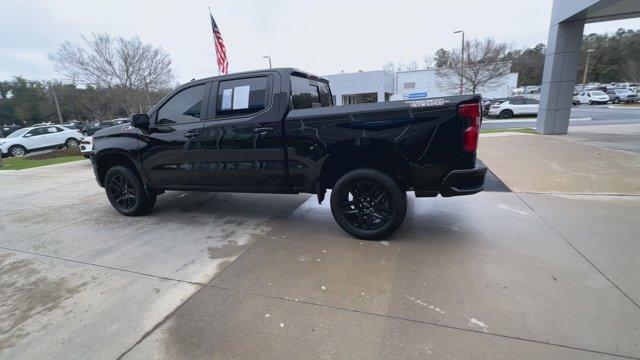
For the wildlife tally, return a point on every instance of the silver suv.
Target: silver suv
(619, 95)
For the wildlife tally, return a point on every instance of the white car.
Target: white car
(86, 145)
(593, 97)
(514, 106)
(21, 141)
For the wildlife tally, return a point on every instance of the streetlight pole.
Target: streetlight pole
(268, 57)
(461, 58)
(55, 100)
(586, 69)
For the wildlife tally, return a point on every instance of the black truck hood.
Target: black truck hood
(115, 130)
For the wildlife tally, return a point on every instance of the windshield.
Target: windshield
(598, 93)
(18, 132)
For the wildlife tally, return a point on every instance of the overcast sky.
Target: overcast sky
(323, 37)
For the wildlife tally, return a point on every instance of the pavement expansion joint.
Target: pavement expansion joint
(578, 251)
(400, 318)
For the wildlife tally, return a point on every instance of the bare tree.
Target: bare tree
(413, 65)
(427, 61)
(483, 67)
(129, 68)
(390, 67)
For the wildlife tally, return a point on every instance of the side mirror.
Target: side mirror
(28, 135)
(140, 121)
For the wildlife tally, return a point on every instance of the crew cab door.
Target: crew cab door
(171, 150)
(243, 134)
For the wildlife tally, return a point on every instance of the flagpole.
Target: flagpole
(210, 15)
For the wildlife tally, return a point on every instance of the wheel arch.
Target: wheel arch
(26, 150)
(106, 160)
(381, 157)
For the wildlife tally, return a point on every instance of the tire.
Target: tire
(72, 143)
(616, 101)
(506, 114)
(368, 204)
(126, 192)
(17, 151)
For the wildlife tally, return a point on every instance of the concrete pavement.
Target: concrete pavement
(563, 164)
(79, 280)
(498, 275)
(454, 273)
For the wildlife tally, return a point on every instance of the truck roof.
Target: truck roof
(283, 71)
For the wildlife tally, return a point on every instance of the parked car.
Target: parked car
(8, 129)
(93, 127)
(574, 100)
(86, 145)
(277, 131)
(593, 97)
(119, 121)
(22, 141)
(514, 106)
(486, 104)
(619, 95)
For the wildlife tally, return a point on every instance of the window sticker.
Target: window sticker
(241, 97)
(226, 99)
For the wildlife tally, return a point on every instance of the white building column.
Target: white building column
(559, 77)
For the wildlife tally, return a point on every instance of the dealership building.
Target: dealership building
(379, 86)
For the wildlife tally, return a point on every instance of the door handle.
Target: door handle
(263, 130)
(191, 135)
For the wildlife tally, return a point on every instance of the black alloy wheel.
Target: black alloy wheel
(123, 192)
(368, 204)
(126, 192)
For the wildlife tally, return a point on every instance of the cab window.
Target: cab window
(309, 93)
(182, 108)
(241, 97)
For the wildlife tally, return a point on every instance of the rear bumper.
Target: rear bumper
(463, 181)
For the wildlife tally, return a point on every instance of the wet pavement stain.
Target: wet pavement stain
(26, 292)
(230, 248)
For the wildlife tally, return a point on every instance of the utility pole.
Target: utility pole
(461, 58)
(55, 100)
(586, 69)
(268, 57)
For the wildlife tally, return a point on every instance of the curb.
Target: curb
(526, 120)
(618, 107)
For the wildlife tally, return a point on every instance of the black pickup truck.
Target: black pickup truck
(277, 131)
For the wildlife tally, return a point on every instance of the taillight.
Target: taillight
(470, 112)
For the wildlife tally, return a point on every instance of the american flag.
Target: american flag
(221, 51)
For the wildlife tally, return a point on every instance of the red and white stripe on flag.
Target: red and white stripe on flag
(221, 51)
